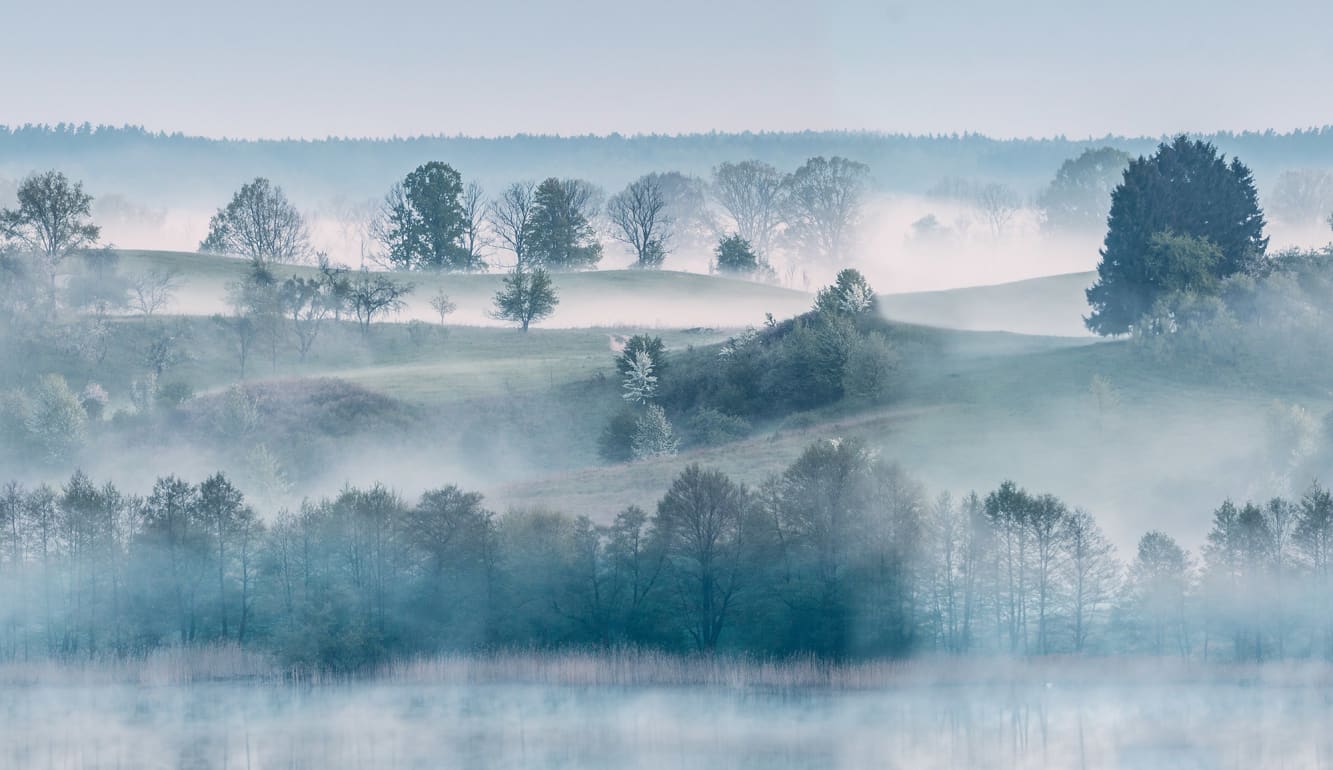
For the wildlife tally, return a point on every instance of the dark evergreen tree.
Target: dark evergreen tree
(1185, 188)
(734, 255)
(423, 222)
(562, 236)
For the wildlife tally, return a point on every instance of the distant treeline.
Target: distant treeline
(175, 169)
(841, 556)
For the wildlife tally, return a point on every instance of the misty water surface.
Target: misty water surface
(511, 726)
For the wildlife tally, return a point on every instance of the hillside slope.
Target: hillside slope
(1052, 305)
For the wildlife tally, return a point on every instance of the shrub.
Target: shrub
(617, 439)
(94, 400)
(868, 371)
(710, 427)
(173, 394)
(653, 436)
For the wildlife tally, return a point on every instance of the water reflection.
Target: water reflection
(366, 727)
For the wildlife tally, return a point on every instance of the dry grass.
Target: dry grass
(166, 666)
(647, 668)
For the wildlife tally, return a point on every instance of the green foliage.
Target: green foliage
(47, 423)
(1187, 189)
(709, 427)
(526, 296)
(653, 435)
(51, 220)
(645, 344)
(616, 442)
(868, 372)
(849, 295)
(1079, 198)
(1175, 263)
(561, 235)
(836, 350)
(259, 223)
(735, 255)
(423, 224)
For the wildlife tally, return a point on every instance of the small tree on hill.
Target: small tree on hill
(850, 294)
(526, 296)
(441, 304)
(371, 295)
(735, 255)
(259, 223)
(1186, 188)
(653, 436)
(640, 383)
(51, 220)
(653, 347)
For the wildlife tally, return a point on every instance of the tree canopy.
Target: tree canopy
(562, 236)
(1185, 188)
(525, 296)
(1080, 195)
(259, 223)
(424, 223)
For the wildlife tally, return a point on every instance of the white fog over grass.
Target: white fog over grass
(1148, 715)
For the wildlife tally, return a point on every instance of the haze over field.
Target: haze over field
(756, 384)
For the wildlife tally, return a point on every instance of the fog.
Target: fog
(1171, 718)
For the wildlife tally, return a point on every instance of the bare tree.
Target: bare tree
(476, 240)
(307, 302)
(511, 219)
(371, 295)
(824, 205)
(153, 290)
(752, 194)
(442, 304)
(998, 204)
(639, 220)
(259, 223)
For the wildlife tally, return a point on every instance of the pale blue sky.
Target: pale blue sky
(276, 68)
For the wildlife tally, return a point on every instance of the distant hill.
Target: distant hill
(1053, 305)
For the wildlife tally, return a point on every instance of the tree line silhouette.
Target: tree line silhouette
(841, 556)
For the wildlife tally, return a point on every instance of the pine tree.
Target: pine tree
(561, 235)
(640, 383)
(653, 436)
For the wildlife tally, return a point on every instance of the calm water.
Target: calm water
(510, 726)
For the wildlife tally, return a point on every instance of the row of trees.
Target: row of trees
(432, 220)
(841, 556)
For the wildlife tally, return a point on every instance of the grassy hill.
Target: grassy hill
(640, 298)
(666, 299)
(1049, 305)
(518, 415)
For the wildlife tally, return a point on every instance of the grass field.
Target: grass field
(518, 415)
(641, 298)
